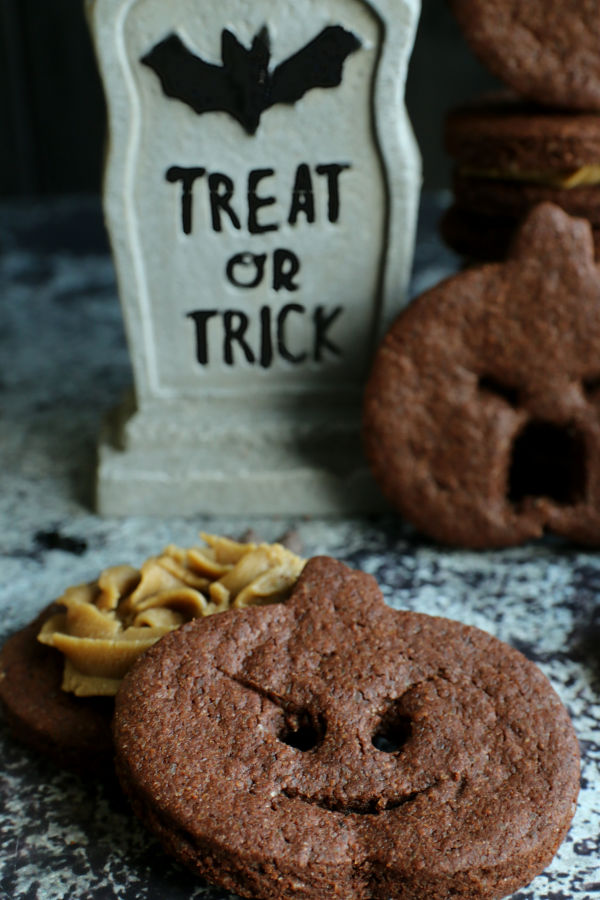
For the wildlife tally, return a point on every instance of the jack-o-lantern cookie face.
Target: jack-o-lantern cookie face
(333, 747)
(482, 411)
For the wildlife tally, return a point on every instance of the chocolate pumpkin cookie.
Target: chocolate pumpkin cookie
(333, 747)
(545, 50)
(482, 411)
(509, 156)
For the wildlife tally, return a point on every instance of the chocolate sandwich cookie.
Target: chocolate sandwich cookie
(74, 732)
(509, 156)
(333, 747)
(58, 676)
(482, 410)
(545, 50)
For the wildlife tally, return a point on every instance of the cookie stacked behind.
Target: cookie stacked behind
(540, 143)
(509, 156)
(546, 50)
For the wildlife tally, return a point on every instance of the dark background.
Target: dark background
(52, 109)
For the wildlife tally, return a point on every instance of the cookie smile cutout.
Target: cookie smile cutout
(305, 730)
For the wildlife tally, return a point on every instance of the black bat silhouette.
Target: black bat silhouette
(243, 86)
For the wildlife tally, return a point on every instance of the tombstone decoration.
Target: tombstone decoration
(261, 194)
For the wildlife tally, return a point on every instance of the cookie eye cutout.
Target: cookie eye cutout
(549, 461)
(299, 728)
(392, 732)
(302, 731)
(489, 385)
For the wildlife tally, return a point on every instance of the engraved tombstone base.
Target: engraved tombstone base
(245, 460)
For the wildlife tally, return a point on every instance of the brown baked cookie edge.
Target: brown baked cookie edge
(72, 731)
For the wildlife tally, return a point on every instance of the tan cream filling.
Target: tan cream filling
(108, 623)
(585, 175)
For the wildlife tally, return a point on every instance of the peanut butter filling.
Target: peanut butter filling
(584, 176)
(108, 623)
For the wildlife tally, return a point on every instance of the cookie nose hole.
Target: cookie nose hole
(301, 731)
(490, 385)
(392, 733)
(548, 461)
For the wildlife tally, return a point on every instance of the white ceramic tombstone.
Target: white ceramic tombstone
(261, 196)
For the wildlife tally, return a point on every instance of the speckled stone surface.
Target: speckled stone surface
(63, 365)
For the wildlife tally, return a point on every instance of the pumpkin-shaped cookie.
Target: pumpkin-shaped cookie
(331, 746)
(482, 411)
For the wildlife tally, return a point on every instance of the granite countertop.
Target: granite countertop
(64, 364)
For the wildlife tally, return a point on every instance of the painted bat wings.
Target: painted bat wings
(243, 85)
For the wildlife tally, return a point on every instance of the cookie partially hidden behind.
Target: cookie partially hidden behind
(545, 50)
(58, 675)
(482, 410)
(510, 155)
(72, 731)
(331, 746)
